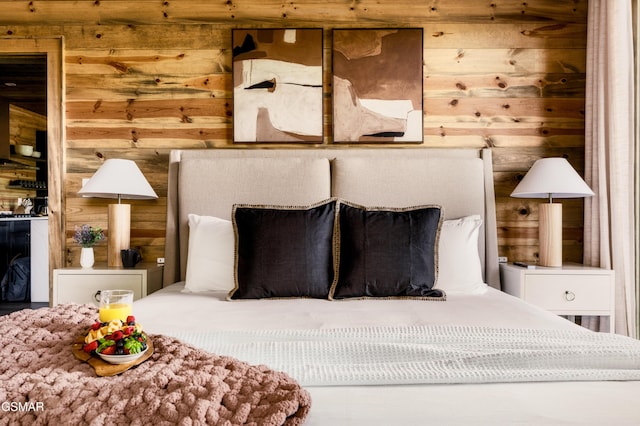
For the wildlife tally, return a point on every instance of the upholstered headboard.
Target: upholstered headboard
(210, 181)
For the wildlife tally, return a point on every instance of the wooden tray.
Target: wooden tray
(102, 367)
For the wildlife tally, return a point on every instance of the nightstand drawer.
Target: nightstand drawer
(79, 285)
(569, 293)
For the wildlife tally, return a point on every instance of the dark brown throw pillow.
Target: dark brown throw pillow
(388, 252)
(284, 251)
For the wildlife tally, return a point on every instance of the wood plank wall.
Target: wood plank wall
(22, 130)
(145, 77)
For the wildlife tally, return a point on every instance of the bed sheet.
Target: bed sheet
(170, 309)
(553, 403)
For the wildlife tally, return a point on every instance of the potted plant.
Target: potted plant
(87, 236)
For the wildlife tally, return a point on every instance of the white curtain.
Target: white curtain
(609, 237)
(636, 33)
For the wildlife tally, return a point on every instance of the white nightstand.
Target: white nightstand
(78, 285)
(572, 290)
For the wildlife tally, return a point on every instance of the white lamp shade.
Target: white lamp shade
(552, 178)
(118, 178)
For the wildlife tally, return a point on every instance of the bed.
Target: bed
(458, 351)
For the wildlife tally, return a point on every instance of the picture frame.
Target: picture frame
(277, 85)
(377, 85)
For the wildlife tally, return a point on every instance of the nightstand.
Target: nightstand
(80, 285)
(572, 290)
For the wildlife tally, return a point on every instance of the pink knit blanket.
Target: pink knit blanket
(41, 382)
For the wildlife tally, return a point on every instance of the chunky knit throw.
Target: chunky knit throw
(41, 382)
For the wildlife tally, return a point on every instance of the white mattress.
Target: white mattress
(170, 311)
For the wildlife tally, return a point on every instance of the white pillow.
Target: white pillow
(459, 267)
(210, 262)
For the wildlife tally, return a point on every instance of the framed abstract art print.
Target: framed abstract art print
(277, 85)
(377, 85)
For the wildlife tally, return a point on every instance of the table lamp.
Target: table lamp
(118, 178)
(551, 178)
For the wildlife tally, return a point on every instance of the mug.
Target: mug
(130, 257)
(115, 304)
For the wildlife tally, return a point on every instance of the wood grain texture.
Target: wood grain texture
(266, 12)
(22, 126)
(143, 78)
(550, 234)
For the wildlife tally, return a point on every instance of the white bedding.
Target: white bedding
(428, 354)
(170, 310)
(173, 312)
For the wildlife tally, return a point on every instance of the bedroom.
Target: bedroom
(140, 83)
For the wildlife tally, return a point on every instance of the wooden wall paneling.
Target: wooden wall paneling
(22, 130)
(522, 61)
(140, 103)
(518, 87)
(23, 125)
(90, 36)
(317, 12)
(492, 110)
(543, 116)
(513, 34)
(143, 80)
(499, 85)
(178, 111)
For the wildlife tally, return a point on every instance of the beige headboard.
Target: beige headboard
(210, 181)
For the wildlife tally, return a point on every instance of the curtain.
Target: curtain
(609, 234)
(636, 37)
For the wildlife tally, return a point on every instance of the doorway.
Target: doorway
(52, 50)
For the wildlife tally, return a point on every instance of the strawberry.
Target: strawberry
(129, 330)
(90, 347)
(96, 325)
(109, 350)
(117, 335)
(131, 319)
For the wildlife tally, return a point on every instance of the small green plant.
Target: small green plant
(88, 236)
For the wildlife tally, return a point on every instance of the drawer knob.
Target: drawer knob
(569, 295)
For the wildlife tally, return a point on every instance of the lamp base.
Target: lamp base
(119, 232)
(550, 234)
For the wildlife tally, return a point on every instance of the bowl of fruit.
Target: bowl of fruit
(116, 342)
